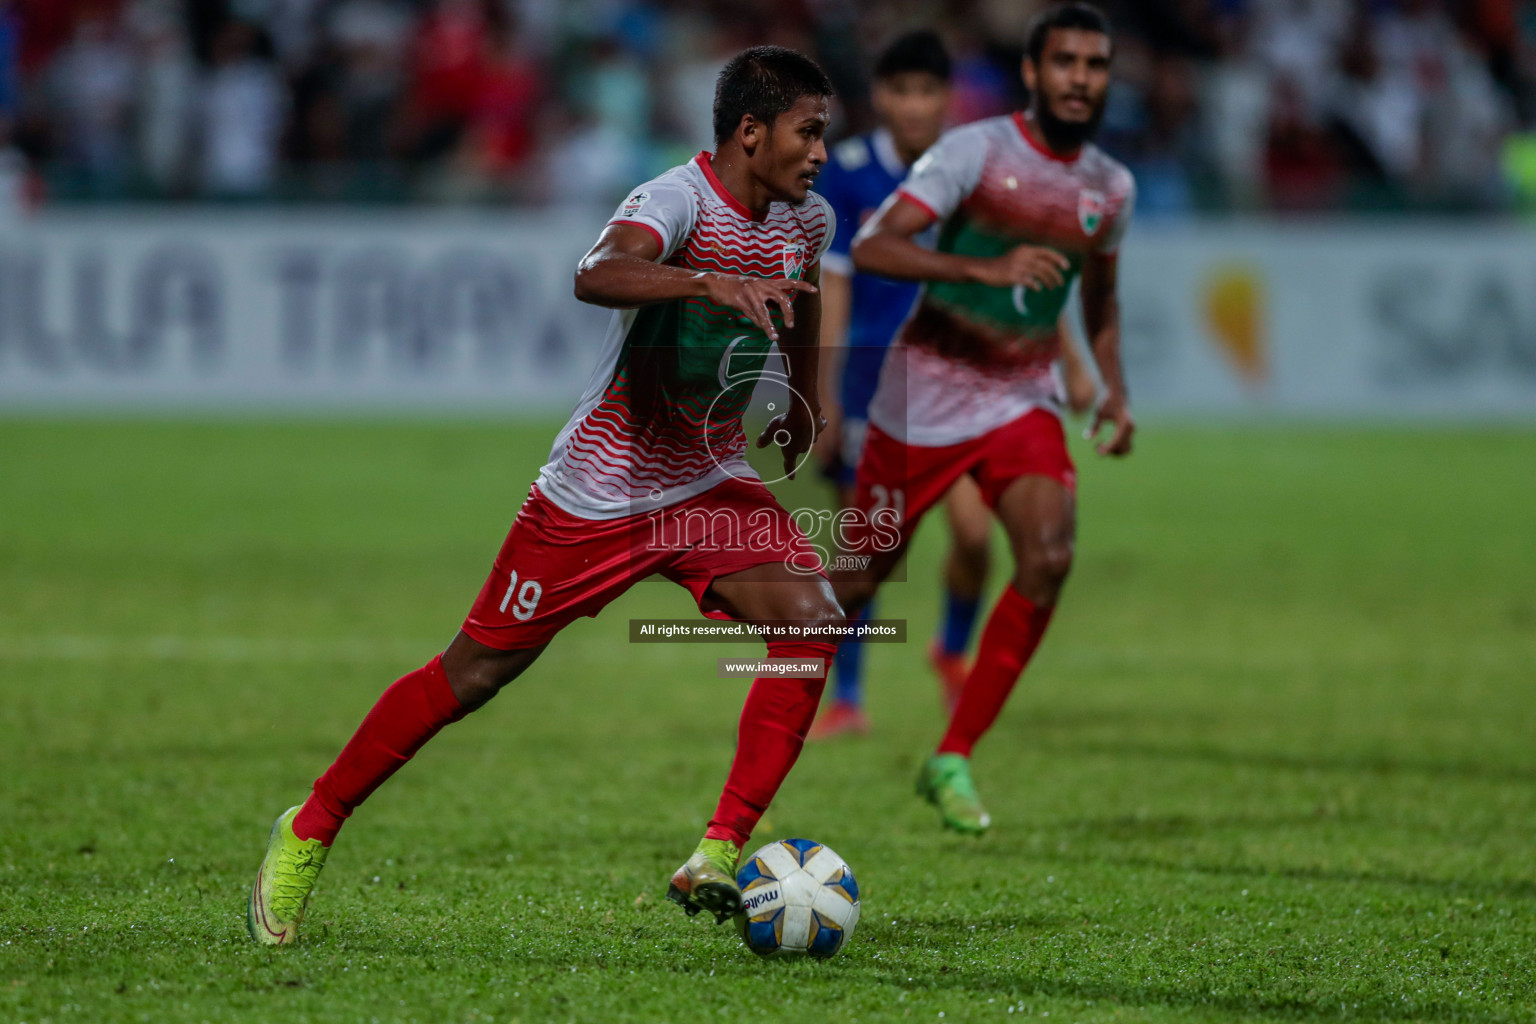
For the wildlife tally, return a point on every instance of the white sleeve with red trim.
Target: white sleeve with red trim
(944, 176)
(829, 229)
(1109, 245)
(666, 210)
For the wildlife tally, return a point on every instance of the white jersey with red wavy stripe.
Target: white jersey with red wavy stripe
(660, 421)
(972, 357)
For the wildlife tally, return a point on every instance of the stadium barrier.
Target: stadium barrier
(254, 309)
(1332, 318)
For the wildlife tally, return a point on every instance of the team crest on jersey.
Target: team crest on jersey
(1090, 210)
(633, 203)
(794, 258)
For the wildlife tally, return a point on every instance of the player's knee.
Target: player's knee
(1056, 561)
(476, 684)
(821, 618)
(477, 677)
(1049, 563)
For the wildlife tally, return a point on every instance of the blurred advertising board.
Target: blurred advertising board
(1332, 319)
(311, 311)
(391, 310)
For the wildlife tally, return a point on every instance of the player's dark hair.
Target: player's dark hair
(921, 52)
(764, 81)
(1076, 14)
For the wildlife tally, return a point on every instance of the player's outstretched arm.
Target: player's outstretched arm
(621, 272)
(796, 430)
(885, 246)
(1101, 315)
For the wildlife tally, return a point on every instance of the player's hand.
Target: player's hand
(1116, 410)
(794, 431)
(1032, 266)
(754, 295)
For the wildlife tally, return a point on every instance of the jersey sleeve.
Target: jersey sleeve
(829, 229)
(1109, 245)
(944, 176)
(665, 210)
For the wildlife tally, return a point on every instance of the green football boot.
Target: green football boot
(283, 884)
(945, 782)
(707, 880)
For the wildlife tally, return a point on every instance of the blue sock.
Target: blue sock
(848, 664)
(959, 620)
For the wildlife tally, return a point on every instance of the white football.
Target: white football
(798, 898)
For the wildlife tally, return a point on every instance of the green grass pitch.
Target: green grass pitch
(1276, 760)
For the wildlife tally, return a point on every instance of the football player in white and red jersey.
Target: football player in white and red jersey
(861, 315)
(1026, 205)
(705, 266)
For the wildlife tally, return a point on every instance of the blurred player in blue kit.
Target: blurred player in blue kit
(861, 313)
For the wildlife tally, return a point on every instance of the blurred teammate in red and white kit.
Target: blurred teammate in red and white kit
(706, 266)
(1025, 205)
(861, 314)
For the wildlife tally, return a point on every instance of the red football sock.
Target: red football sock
(1013, 632)
(774, 721)
(408, 714)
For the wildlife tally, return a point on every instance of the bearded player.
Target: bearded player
(1026, 205)
(861, 314)
(706, 266)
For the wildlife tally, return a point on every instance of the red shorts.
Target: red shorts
(908, 480)
(555, 567)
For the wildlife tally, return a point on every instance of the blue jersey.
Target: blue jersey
(861, 173)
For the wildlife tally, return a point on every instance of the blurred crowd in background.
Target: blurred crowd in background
(1268, 105)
